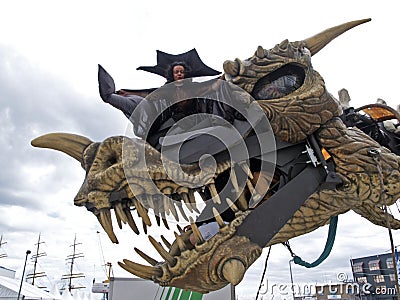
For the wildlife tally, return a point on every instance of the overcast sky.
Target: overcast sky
(49, 51)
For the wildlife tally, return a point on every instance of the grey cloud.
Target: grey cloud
(35, 103)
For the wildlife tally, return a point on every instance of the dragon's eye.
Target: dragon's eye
(278, 88)
(279, 83)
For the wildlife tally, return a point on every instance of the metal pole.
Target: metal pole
(23, 272)
(291, 277)
(376, 154)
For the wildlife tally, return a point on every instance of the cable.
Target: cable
(376, 155)
(102, 253)
(265, 269)
(398, 209)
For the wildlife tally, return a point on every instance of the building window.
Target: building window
(389, 263)
(362, 279)
(374, 265)
(381, 289)
(358, 267)
(379, 278)
(392, 277)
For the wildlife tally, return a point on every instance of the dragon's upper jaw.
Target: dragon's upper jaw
(152, 183)
(109, 186)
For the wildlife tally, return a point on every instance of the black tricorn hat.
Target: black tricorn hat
(191, 58)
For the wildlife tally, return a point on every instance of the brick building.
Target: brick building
(375, 276)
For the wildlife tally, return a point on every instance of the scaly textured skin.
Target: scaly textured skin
(298, 114)
(117, 181)
(360, 192)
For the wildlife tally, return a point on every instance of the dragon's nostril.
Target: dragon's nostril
(112, 160)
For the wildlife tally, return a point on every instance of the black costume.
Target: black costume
(153, 112)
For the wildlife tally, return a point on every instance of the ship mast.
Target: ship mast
(71, 275)
(2, 255)
(35, 257)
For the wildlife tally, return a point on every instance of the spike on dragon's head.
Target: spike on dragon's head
(282, 79)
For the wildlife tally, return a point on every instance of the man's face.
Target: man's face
(178, 72)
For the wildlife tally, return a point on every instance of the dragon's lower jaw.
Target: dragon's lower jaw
(208, 266)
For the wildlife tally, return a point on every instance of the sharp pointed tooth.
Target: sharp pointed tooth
(147, 258)
(234, 180)
(157, 202)
(246, 169)
(164, 220)
(150, 203)
(250, 186)
(164, 254)
(165, 223)
(118, 221)
(195, 209)
(214, 193)
(218, 218)
(166, 243)
(158, 220)
(232, 205)
(233, 271)
(181, 231)
(141, 270)
(106, 223)
(157, 211)
(182, 211)
(119, 211)
(196, 233)
(242, 202)
(172, 209)
(186, 199)
(144, 227)
(192, 200)
(142, 212)
(180, 242)
(134, 271)
(131, 222)
(166, 206)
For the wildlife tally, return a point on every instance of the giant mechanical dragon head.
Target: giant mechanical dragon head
(293, 97)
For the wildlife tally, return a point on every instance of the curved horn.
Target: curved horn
(319, 41)
(71, 144)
